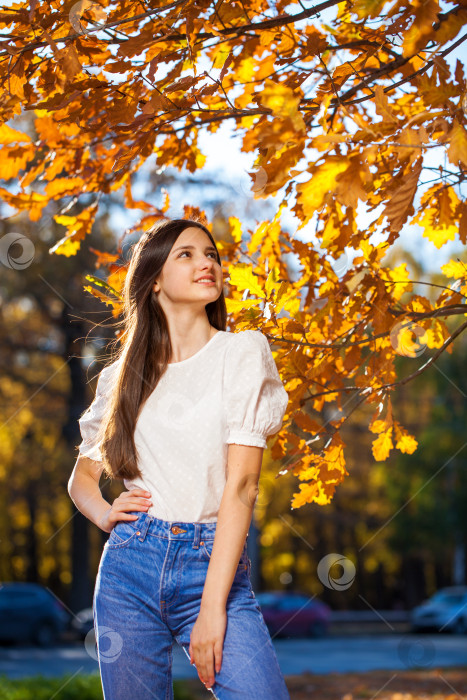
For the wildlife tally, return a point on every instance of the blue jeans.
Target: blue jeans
(148, 593)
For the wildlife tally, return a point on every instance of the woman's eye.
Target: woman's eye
(186, 252)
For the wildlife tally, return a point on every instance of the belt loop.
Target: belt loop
(197, 537)
(143, 528)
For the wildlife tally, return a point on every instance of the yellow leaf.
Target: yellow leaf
(405, 442)
(282, 101)
(242, 277)
(400, 276)
(78, 227)
(382, 446)
(286, 298)
(377, 426)
(234, 306)
(279, 98)
(235, 227)
(368, 8)
(101, 296)
(455, 269)
(432, 338)
(271, 282)
(311, 194)
(440, 235)
(221, 55)
(457, 151)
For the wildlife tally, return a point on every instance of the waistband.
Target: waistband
(173, 529)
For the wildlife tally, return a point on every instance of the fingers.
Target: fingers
(206, 668)
(218, 658)
(135, 499)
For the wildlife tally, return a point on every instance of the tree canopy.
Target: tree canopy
(363, 110)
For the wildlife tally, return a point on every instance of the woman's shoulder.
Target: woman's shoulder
(107, 373)
(248, 337)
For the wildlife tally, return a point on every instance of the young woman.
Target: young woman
(181, 416)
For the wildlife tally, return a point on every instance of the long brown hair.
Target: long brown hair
(145, 347)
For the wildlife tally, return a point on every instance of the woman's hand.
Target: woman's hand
(207, 641)
(135, 499)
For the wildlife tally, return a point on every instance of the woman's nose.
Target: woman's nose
(207, 262)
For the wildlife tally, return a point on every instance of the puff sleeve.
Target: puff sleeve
(255, 398)
(91, 419)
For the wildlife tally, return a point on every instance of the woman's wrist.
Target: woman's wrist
(212, 604)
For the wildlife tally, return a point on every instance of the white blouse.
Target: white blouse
(228, 392)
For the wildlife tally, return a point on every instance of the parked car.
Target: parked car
(288, 613)
(445, 610)
(30, 612)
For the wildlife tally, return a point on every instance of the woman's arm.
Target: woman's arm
(83, 487)
(233, 522)
(84, 490)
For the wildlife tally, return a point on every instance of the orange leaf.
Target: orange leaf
(304, 421)
(9, 135)
(60, 187)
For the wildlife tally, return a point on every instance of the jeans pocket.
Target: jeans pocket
(206, 549)
(121, 535)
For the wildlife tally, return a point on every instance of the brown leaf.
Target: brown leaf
(463, 222)
(400, 206)
(69, 61)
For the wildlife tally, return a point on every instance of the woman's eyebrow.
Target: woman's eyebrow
(183, 247)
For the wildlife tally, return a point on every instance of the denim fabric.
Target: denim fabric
(148, 592)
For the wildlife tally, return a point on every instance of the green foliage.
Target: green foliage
(67, 687)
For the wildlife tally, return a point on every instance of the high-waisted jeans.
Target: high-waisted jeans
(148, 593)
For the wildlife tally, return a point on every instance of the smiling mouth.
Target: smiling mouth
(205, 281)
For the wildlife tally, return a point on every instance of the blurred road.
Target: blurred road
(333, 653)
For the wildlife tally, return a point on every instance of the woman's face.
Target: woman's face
(191, 258)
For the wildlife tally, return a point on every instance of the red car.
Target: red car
(287, 613)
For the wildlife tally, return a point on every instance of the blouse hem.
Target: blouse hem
(249, 439)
